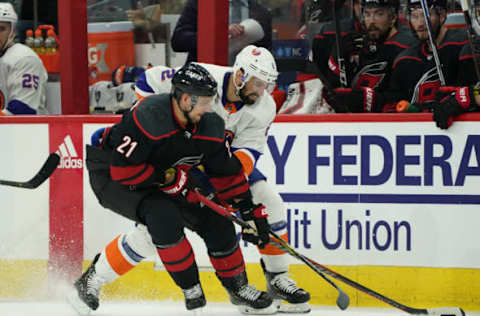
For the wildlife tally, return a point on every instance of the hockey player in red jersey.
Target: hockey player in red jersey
(248, 111)
(144, 170)
(369, 56)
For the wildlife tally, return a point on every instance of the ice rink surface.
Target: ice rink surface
(59, 308)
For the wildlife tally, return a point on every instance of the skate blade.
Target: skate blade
(247, 310)
(77, 304)
(287, 308)
(198, 311)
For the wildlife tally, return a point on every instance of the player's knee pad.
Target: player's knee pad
(263, 192)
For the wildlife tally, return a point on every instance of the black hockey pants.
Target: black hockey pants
(164, 217)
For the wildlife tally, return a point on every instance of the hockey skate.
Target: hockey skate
(248, 300)
(84, 298)
(194, 298)
(282, 288)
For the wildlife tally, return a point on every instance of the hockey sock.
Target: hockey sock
(228, 263)
(179, 260)
(116, 259)
(275, 259)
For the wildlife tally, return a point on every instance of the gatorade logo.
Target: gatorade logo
(69, 155)
(96, 56)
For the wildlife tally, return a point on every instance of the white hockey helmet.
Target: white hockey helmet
(256, 62)
(8, 14)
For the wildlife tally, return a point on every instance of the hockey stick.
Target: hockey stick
(342, 300)
(447, 311)
(426, 13)
(338, 34)
(45, 172)
(471, 36)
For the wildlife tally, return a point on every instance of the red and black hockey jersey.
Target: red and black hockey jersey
(375, 61)
(325, 40)
(467, 75)
(150, 139)
(415, 77)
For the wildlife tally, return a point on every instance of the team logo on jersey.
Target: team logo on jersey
(189, 161)
(2, 100)
(256, 52)
(426, 87)
(370, 76)
(68, 153)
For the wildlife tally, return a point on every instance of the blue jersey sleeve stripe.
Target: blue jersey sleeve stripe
(18, 107)
(142, 84)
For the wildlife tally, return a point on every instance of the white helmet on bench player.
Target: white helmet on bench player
(256, 62)
(7, 14)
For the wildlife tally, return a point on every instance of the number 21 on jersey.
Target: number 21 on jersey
(127, 147)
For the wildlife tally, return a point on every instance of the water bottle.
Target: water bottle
(38, 42)
(29, 39)
(50, 43)
(404, 106)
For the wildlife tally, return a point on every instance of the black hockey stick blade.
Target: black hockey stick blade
(45, 172)
(342, 300)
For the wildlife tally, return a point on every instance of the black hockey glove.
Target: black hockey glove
(451, 102)
(352, 44)
(256, 216)
(351, 100)
(183, 184)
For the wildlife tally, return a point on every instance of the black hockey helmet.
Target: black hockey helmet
(438, 4)
(194, 80)
(394, 4)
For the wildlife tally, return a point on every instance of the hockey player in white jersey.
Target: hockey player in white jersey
(23, 79)
(248, 109)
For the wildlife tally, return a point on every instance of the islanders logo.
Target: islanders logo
(256, 52)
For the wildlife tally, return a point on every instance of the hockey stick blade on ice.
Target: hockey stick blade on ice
(342, 300)
(45, 172)
(447, 311)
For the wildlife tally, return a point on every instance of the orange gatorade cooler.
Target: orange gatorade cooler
(109, 46)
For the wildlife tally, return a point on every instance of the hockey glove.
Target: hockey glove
(351, 100)
(256, 216)
(181, 185)
(352, 44)
(451, 102)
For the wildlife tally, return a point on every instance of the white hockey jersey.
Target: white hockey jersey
(246, 125)
(23, 82)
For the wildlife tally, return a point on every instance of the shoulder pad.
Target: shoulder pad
(454, 36)
(153, 115)
(211, 125)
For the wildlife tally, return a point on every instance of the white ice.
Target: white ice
(59, 308)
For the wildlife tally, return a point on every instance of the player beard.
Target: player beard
(246, 99)
(377, 35)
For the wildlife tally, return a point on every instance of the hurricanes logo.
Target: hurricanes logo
(426, 86)
(69, 155)
(370, 76)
